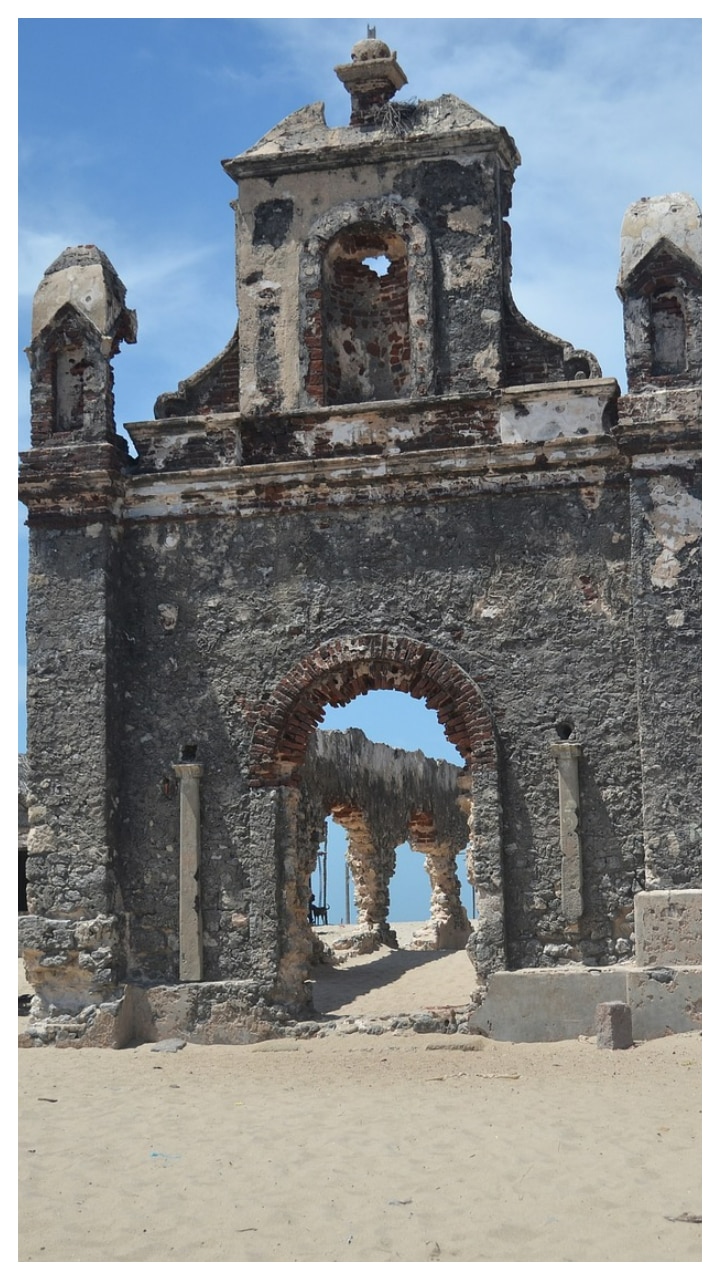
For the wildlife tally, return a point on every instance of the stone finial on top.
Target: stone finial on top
(372, 77)
(79, 320)
(660, 285)
(672, 220)
(84, 277)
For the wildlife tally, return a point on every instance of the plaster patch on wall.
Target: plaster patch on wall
(470, 219)
(484, 367)
(675, 517)
(481, 609)
(168, 616)
(560, 411)
(462, 273)
(666, 570)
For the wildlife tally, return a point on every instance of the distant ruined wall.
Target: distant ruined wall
(389, 785)
(385, 797)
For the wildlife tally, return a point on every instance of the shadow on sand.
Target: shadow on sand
(336, 987)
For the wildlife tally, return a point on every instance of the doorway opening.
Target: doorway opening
(394, 841)
(309, 772)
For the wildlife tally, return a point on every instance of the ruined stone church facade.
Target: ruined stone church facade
(389, 479)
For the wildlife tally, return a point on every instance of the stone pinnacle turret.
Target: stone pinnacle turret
(372, 77)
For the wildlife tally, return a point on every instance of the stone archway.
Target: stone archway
(335, 674)
(347, 666)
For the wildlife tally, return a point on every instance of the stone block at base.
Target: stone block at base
(668, 927)
(529, 1005)
(614, 1025)
(545, 1004)
(664, 1001)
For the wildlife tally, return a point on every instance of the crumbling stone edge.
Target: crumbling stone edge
(218, 1013)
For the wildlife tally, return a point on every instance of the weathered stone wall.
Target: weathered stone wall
(524, 558)
(666, 510)
(443, 188)
(74, 932)
(537, 611)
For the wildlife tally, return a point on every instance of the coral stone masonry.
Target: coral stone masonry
(388, 479)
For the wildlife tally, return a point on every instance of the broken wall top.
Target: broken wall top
(305, 141)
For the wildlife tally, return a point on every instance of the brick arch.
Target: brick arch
(339, 671)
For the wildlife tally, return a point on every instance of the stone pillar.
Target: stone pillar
(486, 944)
(447, 914)
(281, 923)
(371, 869)
(567, 755)
(614, 1025)
(371, 887)
(190, 914)
(72, 481)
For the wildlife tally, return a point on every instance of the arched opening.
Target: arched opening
(366, 338)
(410, 889)
(389, 928)
(416, 779)
(284, 742)
(331, 882)
(71, 367)
(366, 273)
(668, 332)
(338, 671)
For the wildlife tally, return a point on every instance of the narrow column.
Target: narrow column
(446, 910)
(370, 870)
(567, 755)
(362, 861)
(190, 930)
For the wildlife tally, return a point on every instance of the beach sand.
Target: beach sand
(363, 1148)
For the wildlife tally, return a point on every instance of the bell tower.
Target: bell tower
(373, 260)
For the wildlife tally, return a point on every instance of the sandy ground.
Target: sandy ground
(363, 1148)
(390, 982)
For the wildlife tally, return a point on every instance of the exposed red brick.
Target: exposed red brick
(335, 673)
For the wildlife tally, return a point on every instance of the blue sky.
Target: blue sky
(123, 123)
